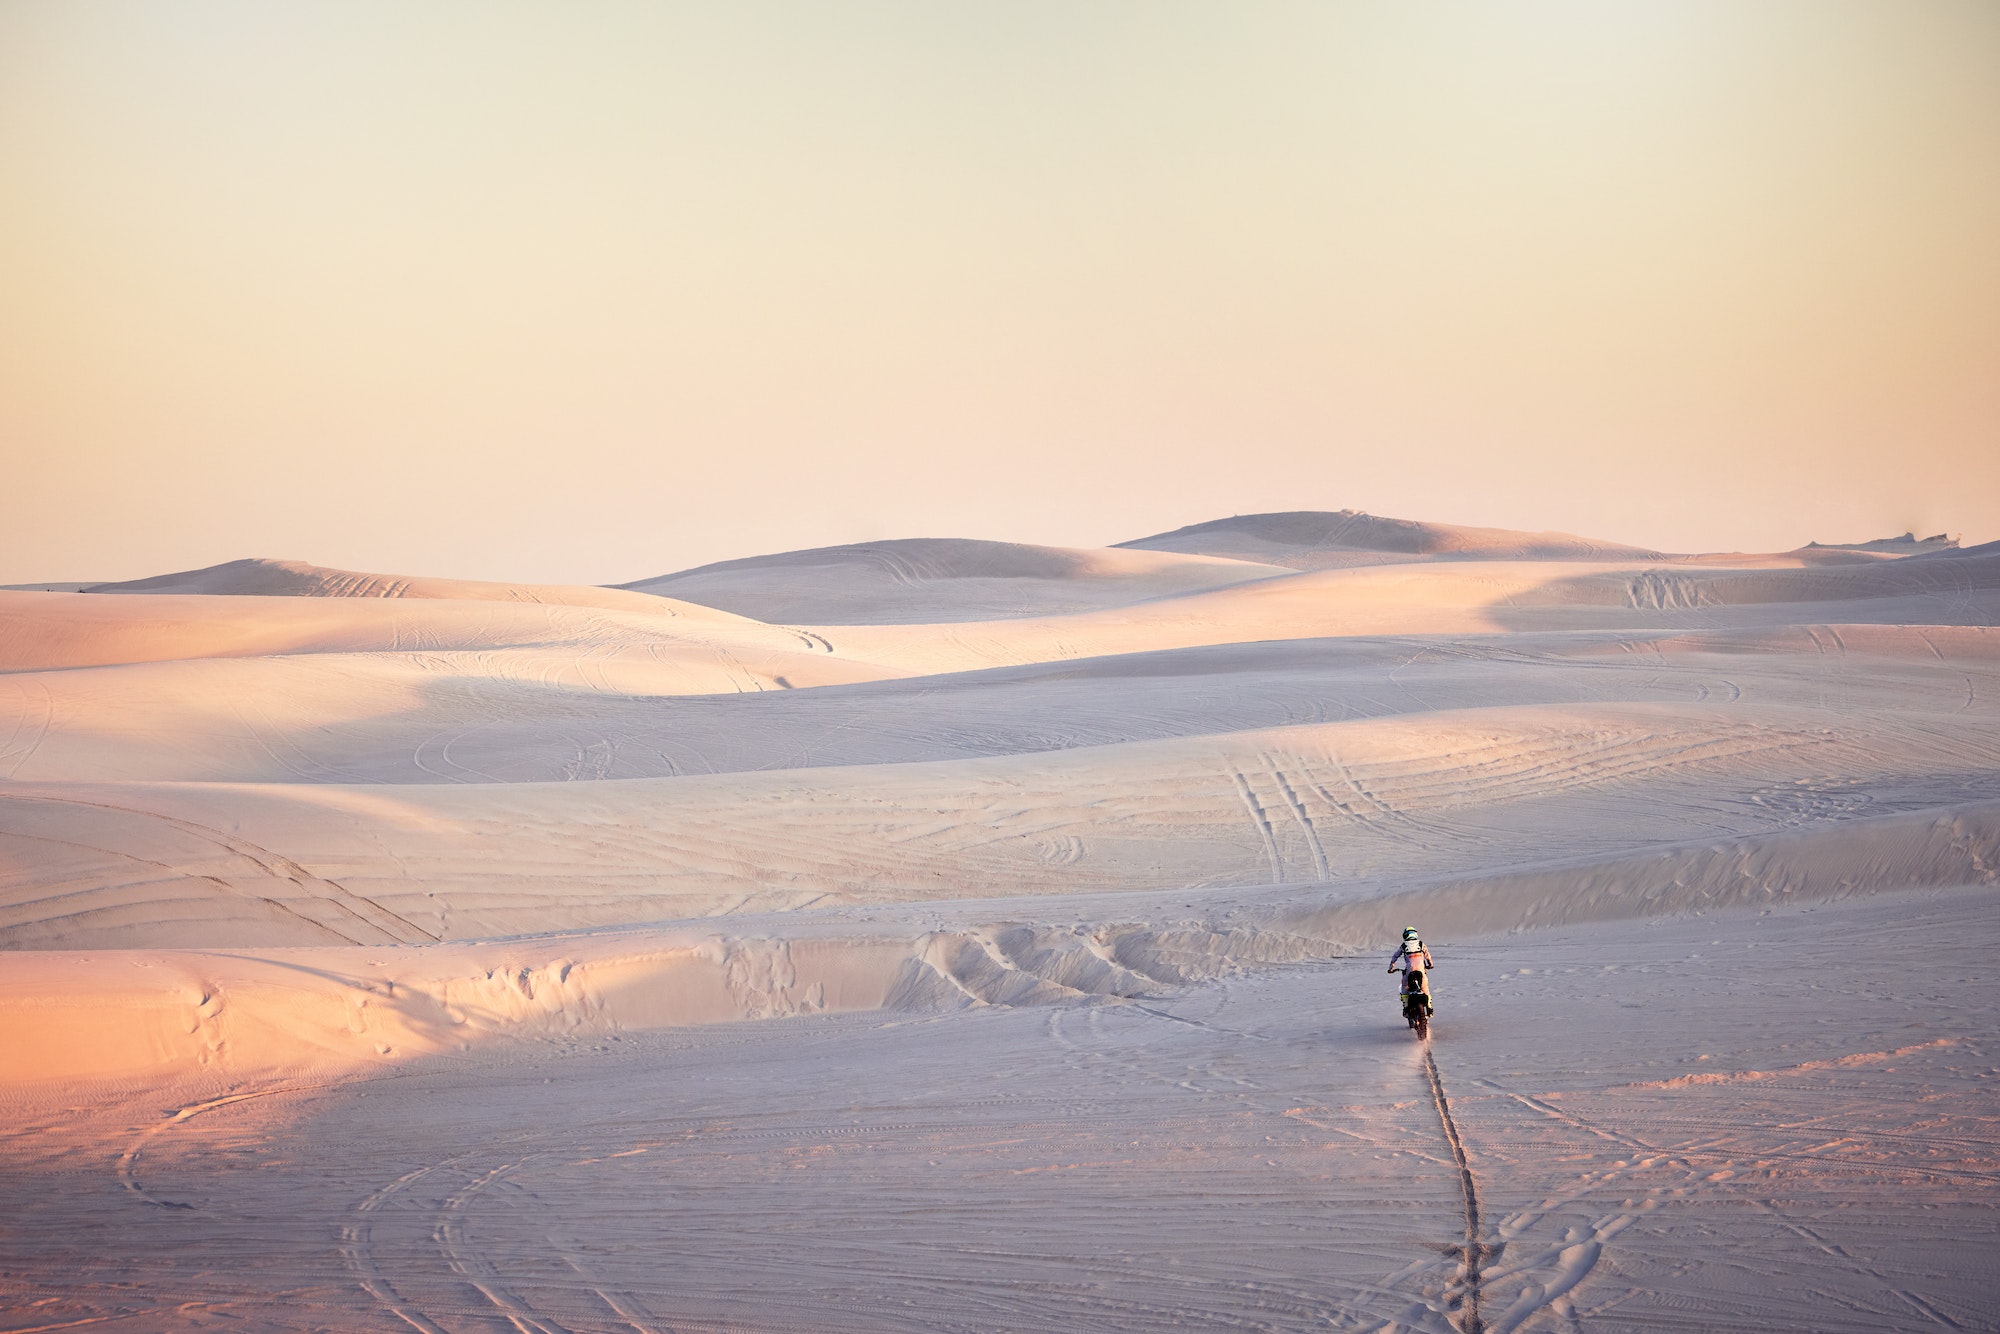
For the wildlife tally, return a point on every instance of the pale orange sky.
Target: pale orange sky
(594, 291)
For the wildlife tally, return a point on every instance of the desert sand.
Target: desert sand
(938, 934)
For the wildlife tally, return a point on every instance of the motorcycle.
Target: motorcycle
(1416, 998)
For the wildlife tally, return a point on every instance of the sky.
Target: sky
(591, 291)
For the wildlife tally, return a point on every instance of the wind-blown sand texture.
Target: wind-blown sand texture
(958, 935)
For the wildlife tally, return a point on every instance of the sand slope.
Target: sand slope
(704, 650)
(184, 764)
(257, 577)
(435, 916)
(1691, 1124)
(1318, 540)
(919, 580)
(538, 716)
(1361, 802)
(1458, 599)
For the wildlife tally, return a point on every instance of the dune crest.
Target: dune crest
(1321, 539)
(933, 580)
(262, 577)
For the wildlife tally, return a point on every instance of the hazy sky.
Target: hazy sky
(590, 291)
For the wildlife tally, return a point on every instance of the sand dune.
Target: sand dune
(257, 577)
(681, 646)
(285, 1008)
(1246, 1152)
(1358, 802)
(1036, 867)
(1318, 540)
(930, 580)
(1909, 544)
(1487, 597)
(185, 764)
(539, 716)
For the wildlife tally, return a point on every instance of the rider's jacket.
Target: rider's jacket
(1409, 958)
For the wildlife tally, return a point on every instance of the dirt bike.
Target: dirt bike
(1417, 1003)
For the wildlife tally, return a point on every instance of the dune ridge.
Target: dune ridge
(923, 580)
(264, 577)
(283, 1012)
(1319, 539)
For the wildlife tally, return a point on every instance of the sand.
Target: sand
(961, 935)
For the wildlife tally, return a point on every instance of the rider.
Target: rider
(1416, 962)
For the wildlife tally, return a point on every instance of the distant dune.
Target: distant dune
(933, 580)
(259, 577)
(1465, 598)
(652, 646)
(1909, 544)
(1319, 540)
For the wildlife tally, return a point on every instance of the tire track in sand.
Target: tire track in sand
(1683, 1159)
(128, 1161)
(1262, 821)
(1299, 812)
(1472, 1253)
(318, 890)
